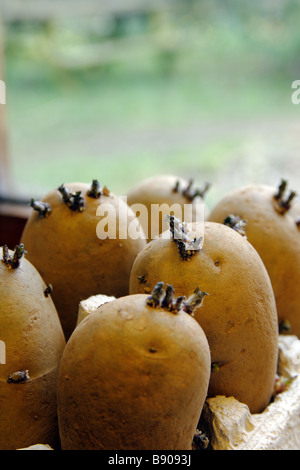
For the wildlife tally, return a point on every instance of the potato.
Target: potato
(134, 375)
(271, 227)
(66, 243)
(239, 315)
(34, 342)
(165, 192)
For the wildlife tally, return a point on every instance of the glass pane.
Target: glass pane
(193, 88)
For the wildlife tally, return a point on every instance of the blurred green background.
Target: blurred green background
(122, 90)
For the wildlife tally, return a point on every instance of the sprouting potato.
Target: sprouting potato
(69, 250)
(161, 192)
(238, 316)
(134, 375)
(34, 341)
(272, 226)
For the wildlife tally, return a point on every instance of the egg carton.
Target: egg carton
(230, 425)
(91, 304)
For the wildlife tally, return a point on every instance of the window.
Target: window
(122, 90)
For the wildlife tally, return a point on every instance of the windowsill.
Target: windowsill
(13, 217)
(14, 209)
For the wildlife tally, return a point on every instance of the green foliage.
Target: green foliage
(126, 77)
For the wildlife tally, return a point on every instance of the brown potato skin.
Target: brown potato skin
(277, 240)
(30, 328)
(238, 316)
(133, 377)
(66, 250)
(159, 190)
